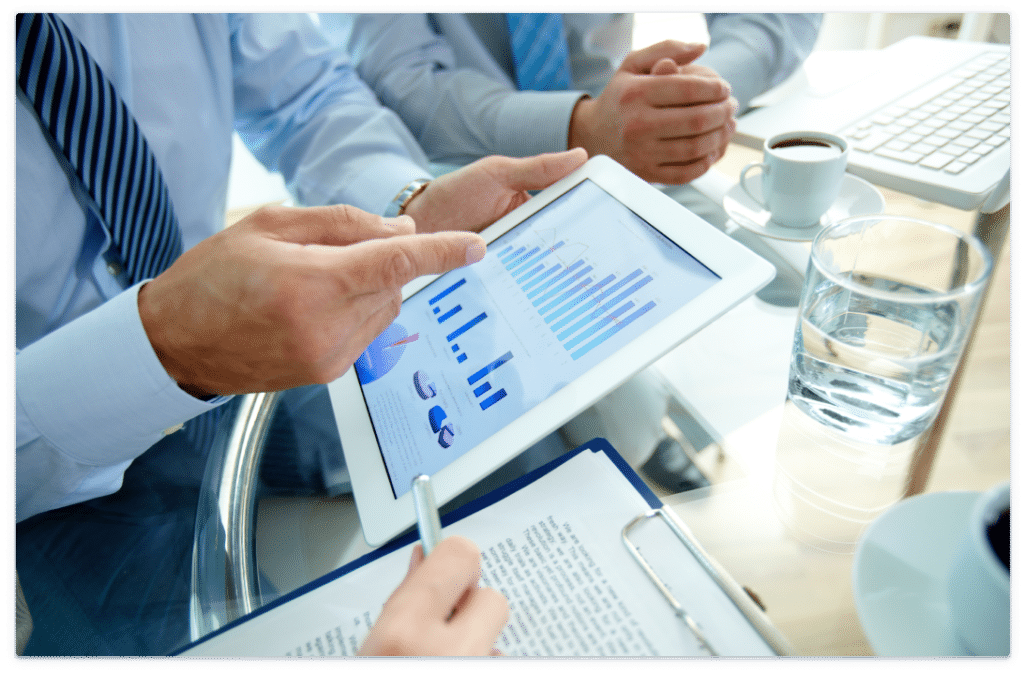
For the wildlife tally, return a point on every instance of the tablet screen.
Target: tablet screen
(481, 345)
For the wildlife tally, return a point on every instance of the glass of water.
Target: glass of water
(887, 307)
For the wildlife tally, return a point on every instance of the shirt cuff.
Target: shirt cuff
(535, 122)
(96, 390)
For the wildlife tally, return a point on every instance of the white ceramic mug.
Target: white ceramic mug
(978, 586)
(801, 176)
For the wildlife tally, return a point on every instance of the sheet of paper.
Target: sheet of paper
(553, 548)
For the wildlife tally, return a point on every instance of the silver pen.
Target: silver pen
(427, 519)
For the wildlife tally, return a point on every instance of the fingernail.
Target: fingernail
(475, 252)
(397, 221)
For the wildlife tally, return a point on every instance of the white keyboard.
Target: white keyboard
(948, 125)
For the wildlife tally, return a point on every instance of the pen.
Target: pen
(427, 519)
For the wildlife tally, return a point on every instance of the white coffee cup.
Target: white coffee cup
(801, 175)
(978, 584)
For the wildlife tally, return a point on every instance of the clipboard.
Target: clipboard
(670, 588)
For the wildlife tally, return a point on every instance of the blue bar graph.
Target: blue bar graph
(540, 257)
(449, 314)
(505, 251)
(455, 348)
(479, 374)
(598, 326)
(605, 307)
(482, 389)
(461, 358)
(613, 330)
(565, 295)
(492, 399)
(444, 293)
(593, 302)
(465, 328)
(512, 265)
(557, 277)
(556, 267)
(536, 268)
(509, 257)
(576, 302)
(562, 286)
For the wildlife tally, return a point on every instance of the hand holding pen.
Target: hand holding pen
(439, 609)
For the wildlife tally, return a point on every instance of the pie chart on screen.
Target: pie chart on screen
(383, 353)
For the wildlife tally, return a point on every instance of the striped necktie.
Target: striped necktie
(102, 146)
(102, 149)
(540, 52)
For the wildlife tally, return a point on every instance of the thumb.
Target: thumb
(665, 66)
(542, 170)
(642, 61)
(391, 263)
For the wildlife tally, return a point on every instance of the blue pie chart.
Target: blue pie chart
(382, 355)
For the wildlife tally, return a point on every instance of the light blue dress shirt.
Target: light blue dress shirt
(91, 393)
(450, 77)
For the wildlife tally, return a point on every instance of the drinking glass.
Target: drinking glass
(886, 310)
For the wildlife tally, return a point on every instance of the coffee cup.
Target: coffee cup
(801, 175)
(978, 584)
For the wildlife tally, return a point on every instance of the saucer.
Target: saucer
(899, 575)
(856, 197)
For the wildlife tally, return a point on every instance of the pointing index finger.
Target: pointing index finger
(391, 263)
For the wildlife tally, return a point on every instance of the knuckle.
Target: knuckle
(397, 267)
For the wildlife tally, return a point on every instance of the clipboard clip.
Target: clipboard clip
(662, 587)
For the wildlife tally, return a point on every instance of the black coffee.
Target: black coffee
(806, 148)
(999, 537)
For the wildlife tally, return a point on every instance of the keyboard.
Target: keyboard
(947, 126)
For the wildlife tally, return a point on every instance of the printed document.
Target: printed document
(554, 548)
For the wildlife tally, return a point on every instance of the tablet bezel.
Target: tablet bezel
(741, 272)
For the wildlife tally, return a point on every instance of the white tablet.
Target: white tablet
(583, 286)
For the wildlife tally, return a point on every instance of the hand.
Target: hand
(476, 195)
(438, 609)
(660, 116)
(288, 296)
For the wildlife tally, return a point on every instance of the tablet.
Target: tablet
(586, 284)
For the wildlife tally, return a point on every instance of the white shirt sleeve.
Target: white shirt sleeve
(91, 396)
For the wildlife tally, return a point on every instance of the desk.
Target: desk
(806, 592)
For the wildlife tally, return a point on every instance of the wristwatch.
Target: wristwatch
(408, 193)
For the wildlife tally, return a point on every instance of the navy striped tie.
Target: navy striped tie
(102, 149)
(93, 130)
(540, 52)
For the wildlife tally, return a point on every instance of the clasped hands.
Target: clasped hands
(660, 116)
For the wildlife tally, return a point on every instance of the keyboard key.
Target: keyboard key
(954, 149)
(978, 133)
(983, 149)
(948, 133)
(912, 137)
(966, 142)
(897, 145)
(907, 157)
(872, 142)
(990, 125)
(937, 160)
(970, 158)
(956, 167)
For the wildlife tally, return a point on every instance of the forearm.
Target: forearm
(303, 111)
(754, 52)
(91, 396)
(456, 113)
